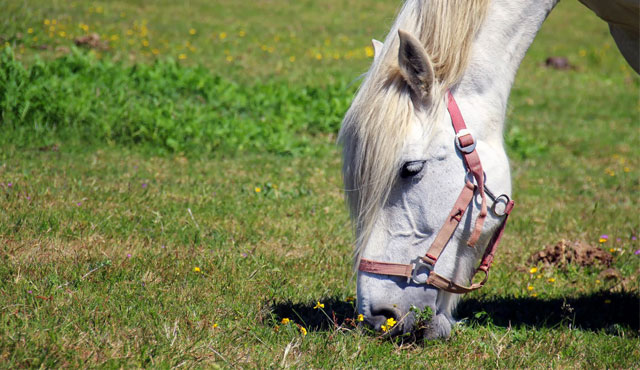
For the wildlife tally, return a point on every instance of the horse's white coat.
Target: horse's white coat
(417, 207)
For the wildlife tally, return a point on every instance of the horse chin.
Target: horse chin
(438, 328)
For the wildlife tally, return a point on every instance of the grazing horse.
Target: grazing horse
(426, 175)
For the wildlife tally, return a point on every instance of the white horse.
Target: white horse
(402, 171)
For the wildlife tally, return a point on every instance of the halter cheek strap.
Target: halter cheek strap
(466, 145)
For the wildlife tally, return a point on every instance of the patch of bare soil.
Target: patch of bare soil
(576, 252)
(91, 41)
(561, 63)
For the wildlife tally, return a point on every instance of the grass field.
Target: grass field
(171, 197)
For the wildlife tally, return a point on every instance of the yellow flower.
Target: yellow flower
(114, 38)
(627, 169)
(533, 270)
(602, 240)
(182, 56)
(360, 317)
(318, 305)
(583, 52)
(215, 325)
(529, 288)
(303, 331)
(62, 34)
(46, 22)
(223, 35)
(319, 56)
(257, 189)
(145, 43)
(54, 21)
(155, 51)
(391, 322)
(30, 30)
(196, 269)
(285, 321)
(192, 31)
(229, 58)
(534, 294)
(369, 51)
(597, 281)
(292, 59)
(241, 33)
(552, 280)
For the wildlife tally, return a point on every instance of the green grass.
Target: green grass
(166, 106)
(102, 226)
(301, 41)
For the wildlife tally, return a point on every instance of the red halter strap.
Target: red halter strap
(466, 144)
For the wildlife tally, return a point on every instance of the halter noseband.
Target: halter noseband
(466, 144)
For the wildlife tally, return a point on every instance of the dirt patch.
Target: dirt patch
(561, 63)
(576, 252)
(91, 41)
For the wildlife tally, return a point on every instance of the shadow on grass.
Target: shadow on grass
(603, 310)
(613, 312)
(336, 312)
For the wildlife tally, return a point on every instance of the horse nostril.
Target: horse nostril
(380, 314)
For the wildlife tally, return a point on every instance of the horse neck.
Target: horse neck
(507, 33)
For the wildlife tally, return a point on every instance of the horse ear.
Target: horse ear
(377, 48)
(415, 65)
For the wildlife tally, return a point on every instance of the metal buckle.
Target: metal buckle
(417, 265)
(466, 149)
(498, 201)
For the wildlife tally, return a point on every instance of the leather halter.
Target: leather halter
(466, 144)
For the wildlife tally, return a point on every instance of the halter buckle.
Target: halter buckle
(468, 148)
(503, 198)
(418, 264)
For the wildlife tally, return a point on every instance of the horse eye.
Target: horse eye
(410, 169)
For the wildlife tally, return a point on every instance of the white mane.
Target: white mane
(377, 123)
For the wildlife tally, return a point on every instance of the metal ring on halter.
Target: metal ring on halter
(497, 201)
(469, 177)
(417, 265)
(466, 149)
